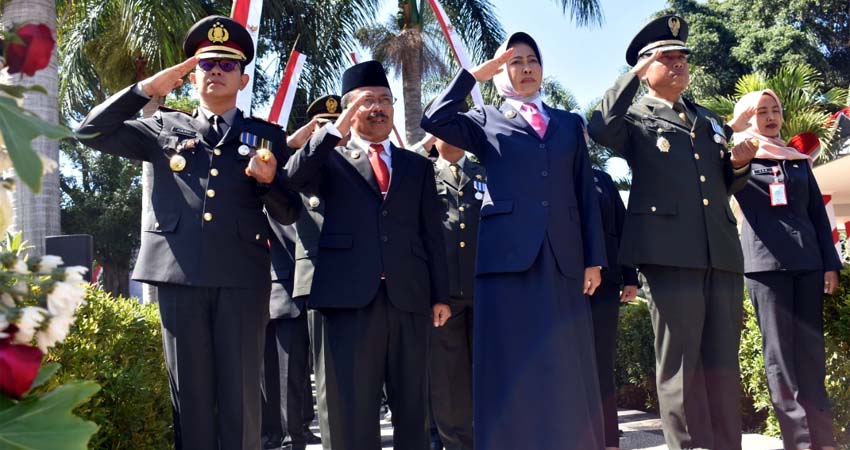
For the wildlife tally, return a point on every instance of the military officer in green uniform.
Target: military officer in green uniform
(680, 231)
(205, 242)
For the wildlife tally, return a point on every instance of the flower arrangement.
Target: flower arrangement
(38, 299)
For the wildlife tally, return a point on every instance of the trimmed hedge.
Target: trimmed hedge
(636, 364)
(117, 343)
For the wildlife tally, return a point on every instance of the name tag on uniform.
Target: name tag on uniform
(777, 194)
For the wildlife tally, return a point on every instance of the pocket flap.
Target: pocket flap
(336, 241)
(165, 222)
(653, 207)
(254, 230)
(497, 207)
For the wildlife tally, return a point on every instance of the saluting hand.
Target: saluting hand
(300, 137)
(592, 278)
(629, 293)
(343, 122)
(440, 313)
(168, 79)
(642, 65)
(742, 122)
(490, 68)
(743, 153)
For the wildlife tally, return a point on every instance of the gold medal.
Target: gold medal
(663, 144)
(177, 163)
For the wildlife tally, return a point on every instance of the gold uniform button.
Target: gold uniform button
(462, 226)
(460, 209)
(156, 225)
(462, 244)
(214, 172)
(654, 209)
(705, 201)
(460, 193)
(257, 237)
(702, 178)
(696, 155)
(693, 135)
(210, 193)
(208, 216)
(217, 152)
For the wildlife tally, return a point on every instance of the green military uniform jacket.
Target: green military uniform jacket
(678, 212)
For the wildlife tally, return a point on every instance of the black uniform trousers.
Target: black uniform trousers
(365, 348)
(789, 308)
(450, 379)
(286, 375)
(231, 322)
(317, 345)
(697, 317)
(605, 309)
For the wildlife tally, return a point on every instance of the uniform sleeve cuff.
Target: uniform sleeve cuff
(332, 130)
(137, 89)
(742, 170)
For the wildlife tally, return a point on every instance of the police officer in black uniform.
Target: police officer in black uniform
(205, 244)
(680, 232)
(461, 185)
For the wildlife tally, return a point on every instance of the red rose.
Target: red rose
(30, 49)
(19, 365)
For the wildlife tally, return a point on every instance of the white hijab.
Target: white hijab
(502, 80)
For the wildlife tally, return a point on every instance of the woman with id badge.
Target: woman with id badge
(790, 262)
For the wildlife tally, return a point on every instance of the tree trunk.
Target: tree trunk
(116, 279)
(37, 215)
(411, 80)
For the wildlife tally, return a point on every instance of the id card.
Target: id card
(777, 194)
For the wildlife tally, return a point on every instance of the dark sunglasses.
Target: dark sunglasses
(226, 65)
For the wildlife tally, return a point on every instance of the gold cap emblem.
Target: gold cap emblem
(331, 105)
(674, 25)
(218, 34)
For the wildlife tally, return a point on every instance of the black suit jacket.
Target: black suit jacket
(460, 225)
(365, 236)
(613, 215)
(797, 236)
(283, 304)
(179, 245)
(678, 212)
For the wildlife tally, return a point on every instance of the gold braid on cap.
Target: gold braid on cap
(213, 51)
(660, 44)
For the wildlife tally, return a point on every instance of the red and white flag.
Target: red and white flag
(457, 46)
(282, 105)
(247, 13)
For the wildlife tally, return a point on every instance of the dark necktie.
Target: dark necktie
(382, 172)
(683, 113)
(215, 129)
(455, 171)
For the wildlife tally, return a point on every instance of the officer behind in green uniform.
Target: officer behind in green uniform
(309, 227)
(461, 185)
(205, 244)
(680, 232)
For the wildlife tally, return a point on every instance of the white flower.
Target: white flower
(7, 300)
(21, 267)
(48, 263)
(30, 319)
(55, 331)
(75, 273)
(4, 323)
(65, 298)
(21, 288)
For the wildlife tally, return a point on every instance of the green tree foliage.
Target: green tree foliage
(102, 196)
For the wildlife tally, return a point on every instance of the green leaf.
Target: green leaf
(19, 91)
(47, 422)
(44, 373)
(19, 128)
(5, 402)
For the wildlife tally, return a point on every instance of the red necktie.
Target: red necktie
(536, 119)
(382, 173)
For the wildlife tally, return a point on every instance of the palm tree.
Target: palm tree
(37, 215)
(805, 105)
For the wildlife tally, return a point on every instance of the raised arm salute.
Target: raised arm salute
(205, 242)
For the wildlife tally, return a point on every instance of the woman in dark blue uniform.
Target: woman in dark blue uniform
(790, 263)
(540, 252)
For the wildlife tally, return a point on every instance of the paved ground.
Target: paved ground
(641, 431)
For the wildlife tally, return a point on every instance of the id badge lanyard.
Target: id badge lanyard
(778, 196)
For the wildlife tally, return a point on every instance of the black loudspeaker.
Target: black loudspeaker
(74, 249)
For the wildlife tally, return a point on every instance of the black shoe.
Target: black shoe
(291, 446)
(311, 439)
(436, 445)
(271, 442)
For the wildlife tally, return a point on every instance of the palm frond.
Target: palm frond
(583, 12)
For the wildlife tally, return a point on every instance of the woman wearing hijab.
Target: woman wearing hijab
(790, 262)
(540, 252)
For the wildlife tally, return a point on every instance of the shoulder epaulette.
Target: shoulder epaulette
(265, 121)
(164, 108)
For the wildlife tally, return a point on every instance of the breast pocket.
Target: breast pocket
(498, 207)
